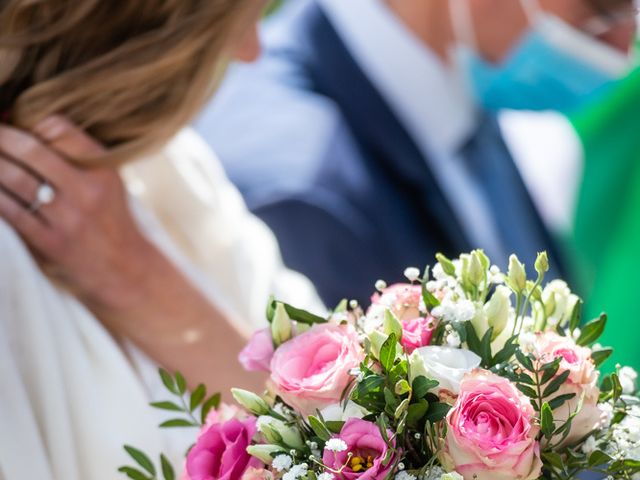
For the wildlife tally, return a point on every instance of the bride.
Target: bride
(124, 243)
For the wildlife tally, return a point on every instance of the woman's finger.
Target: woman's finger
(26, 149)
(20, 182)
(68, 139)
(34, 231)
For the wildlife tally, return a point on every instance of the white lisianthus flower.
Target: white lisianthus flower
(335, 412)
(443, 364)
(628, 377)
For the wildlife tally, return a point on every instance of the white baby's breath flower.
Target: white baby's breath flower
(326, 476)
(412, 274)
(590, 445)
(380, 286)
(527, 341)
(296, 472)
(282, 463)
(434, 473)
(576, 333)
(335, 445)
(404, 475)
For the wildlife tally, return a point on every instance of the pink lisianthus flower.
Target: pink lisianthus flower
(312, 370)
(220, 453)
(256, 356)
(417, 333)
(582, 381)
(491, 431)
(365, 453)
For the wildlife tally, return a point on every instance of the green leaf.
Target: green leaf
(335, 426)
(177, 422)
(437, 411)
(181, 383)
(167, 470)
(319, 428)
(133, 473)
(299, 315)
(391, 402)
(447, 265)
(210, 404)
(524, 360)
(167, 406)
(599, 458)
(555, 384)
(141, 459)
(592, 331)
(197, 396)
(416, 411)
(549, 370)
(388, 352)
(601, 356)
(554, 459)
(473, 342)
(429, 299)
(422, 385)
(576, 315)
(168, 381)
(546, 421)
(507, 352)
(528, 391)
(485, 347)
(558, 401)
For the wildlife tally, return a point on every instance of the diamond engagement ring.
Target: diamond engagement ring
(44, 196)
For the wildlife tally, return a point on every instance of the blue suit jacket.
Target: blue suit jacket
(320, 157)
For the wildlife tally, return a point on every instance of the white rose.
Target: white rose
(446, 365)
(335, 412)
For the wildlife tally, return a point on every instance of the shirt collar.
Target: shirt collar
(427, 96)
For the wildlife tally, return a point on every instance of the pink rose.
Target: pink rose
(402, 298)
(311, 371)
(220, 452)
(492, 431)
(367, 448)
(417, 333)
(582, 380)
(256, 356)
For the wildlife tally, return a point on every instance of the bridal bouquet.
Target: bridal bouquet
(463, 372)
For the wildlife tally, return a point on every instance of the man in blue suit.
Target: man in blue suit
(365, 139)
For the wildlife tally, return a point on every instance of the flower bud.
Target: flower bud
(276, 431)
(377, 338)
(264, 453)
(517, 276)
(391, 324)
(281, 325)
(542, 263)
(497, 310)
(476, 270)
(250, 401)
(412, 274)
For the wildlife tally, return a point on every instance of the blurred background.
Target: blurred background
(373, 136)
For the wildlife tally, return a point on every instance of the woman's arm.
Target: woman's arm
(87, 239)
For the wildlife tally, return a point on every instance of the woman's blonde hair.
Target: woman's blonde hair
(130, 72)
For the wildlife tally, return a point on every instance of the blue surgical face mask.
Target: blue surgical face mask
(554, 67)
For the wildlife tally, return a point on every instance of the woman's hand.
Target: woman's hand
(85, 236)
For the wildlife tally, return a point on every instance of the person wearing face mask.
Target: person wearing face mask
(369, 137)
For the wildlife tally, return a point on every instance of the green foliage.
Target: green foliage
(145, 469)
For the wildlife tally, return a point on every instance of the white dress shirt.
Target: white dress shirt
(427, 96)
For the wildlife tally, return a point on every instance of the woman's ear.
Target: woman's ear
(248, 46)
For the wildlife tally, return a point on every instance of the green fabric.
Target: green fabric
(606, 239)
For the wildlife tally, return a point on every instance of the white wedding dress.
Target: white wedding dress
(70, 396)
